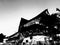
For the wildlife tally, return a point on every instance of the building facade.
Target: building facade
(43, 25)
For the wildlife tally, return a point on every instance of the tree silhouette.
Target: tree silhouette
(2, 36)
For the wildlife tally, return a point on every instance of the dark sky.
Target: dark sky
(12, 10)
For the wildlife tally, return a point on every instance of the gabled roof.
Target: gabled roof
(23, 21)
(37, 19)
(42, 14)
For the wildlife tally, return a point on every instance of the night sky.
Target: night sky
(11, 12)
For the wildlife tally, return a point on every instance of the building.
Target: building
(43, 24)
